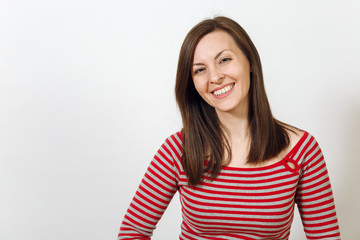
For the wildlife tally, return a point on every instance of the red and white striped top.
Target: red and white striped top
(241, 203)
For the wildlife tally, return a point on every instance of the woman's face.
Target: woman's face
(221, 73)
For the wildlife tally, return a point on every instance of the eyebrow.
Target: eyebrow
(217, 55)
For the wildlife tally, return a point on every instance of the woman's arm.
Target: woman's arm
(314, 197)
(155, 192)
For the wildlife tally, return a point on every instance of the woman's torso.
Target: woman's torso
(243, 203)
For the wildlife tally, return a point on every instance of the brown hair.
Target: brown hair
(202, 130)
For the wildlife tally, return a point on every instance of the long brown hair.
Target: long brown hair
(202, 130)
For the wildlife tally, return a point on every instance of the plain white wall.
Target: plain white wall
(86, 98)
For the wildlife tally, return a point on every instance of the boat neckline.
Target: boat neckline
(287, 156)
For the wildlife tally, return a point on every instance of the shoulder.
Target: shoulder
(295, 135)
(173, 144)
(175, 138)
(173, 148)
(302, 142)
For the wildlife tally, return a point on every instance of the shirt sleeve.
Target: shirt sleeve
(153, 195)
(314, 196)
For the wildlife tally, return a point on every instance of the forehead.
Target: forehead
(212, 43)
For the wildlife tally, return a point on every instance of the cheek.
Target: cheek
(200, 86)
(244, 77)
(245, 87)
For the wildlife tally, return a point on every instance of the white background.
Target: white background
(87, 97)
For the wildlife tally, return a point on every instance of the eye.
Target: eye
(199, 70)
(225, 60)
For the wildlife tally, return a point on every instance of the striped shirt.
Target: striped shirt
(241, 203)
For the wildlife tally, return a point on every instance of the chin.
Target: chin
(224, 110)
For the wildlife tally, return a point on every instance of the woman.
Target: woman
(238, 170)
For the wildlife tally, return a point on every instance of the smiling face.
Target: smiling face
(221, 73)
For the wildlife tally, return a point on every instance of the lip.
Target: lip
(225, 94)
(222, 86)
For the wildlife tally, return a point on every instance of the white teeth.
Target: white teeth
(223, 90)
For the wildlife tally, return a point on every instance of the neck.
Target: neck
(236, 123)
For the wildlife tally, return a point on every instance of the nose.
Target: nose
(215, 75)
